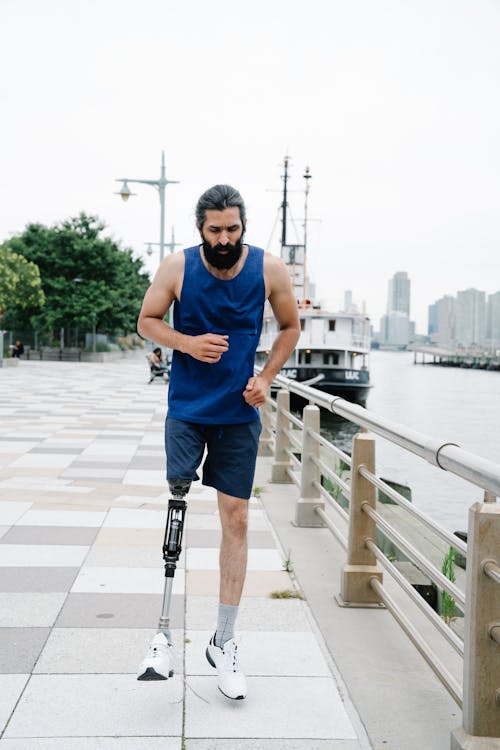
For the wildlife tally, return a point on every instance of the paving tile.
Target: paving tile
(118, 611)
(10, 512)
(42, 484)
(29, 609)
(43, 579)
(95, 474)
(147, 478)
(37, 517)
(265, 744)
(4, 530)
(117, 580)
(257, 583)
(312, 710)
(11, 687)
(37, 460)
(138, 556)
(20, 648)
(130, 518)
(28, 555)
(101, 650)
(94, 743)
(256, 539)
(79, 536)
(255, 613)
(97, 705)
(258, 559)
(130, 537)
(263, 653)
(7, 445)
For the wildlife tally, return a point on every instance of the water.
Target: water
(449, 404)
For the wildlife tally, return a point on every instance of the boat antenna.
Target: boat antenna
(284, 204)
(307, 176)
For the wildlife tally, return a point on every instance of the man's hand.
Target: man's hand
(255, 392)
(207, 348)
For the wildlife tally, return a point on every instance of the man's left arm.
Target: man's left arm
(284, 306)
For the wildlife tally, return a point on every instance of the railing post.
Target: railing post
(305, 515)
(281, 461)
(266, 436)
(361, 565)
(481, 703)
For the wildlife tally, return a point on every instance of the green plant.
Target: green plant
(287, 562)
(447, 601)
(257, 491)
(286, 594)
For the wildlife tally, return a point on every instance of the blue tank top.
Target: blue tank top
(213, 393)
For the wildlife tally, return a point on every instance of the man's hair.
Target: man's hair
(218, 198)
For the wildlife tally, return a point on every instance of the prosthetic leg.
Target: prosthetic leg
(172, 544)
(157, 665)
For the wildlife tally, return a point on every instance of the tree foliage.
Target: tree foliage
(20, 284)
(86, 277)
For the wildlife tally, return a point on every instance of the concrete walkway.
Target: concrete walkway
(82, 513)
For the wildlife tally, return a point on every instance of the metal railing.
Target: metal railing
(301, 455)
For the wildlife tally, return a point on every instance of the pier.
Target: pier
(476, 358)
(340, 651)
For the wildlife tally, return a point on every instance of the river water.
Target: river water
(449, 404)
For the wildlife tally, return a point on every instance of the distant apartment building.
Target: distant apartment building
(446, 309)
(395, 326)
(432, 320)
(398, 297)
(493, 320)
(470, 317)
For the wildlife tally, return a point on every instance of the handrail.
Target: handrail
(443, 454)
(430, 657)
(428, 568)
(297, 458)
(326, 444)
(492, 570)
(446, 631)
(398, 498)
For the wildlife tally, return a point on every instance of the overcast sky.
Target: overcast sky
(393, 104)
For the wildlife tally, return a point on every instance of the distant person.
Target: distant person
(157, 363)
(218, 289)
(17, 349)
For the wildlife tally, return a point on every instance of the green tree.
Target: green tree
(20, 284)
(87, 277)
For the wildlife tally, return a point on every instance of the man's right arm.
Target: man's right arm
(164, 289)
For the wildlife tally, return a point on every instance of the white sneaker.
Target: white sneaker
(158, 662)
(232, 681)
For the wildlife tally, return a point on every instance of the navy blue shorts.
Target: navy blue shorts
(231, 454)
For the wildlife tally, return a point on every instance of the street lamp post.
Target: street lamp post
(171, 245)
(160, 185)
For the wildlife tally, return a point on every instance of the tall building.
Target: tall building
(432, 318)
(398, 298)
(446, 320)
(395, 324)
(470, 317)
(493, 319)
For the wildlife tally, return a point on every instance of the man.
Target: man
(219, 289)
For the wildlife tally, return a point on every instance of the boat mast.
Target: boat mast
(284, 204)
(307, 177)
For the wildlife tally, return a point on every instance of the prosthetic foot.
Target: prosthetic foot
(157, 664)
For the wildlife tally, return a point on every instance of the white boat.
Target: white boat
(334, 347)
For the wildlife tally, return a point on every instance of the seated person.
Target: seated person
(17, 349)
(157, 363)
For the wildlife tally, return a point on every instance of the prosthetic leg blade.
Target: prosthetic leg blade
(158, 662)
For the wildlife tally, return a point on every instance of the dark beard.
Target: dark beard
(222, 262)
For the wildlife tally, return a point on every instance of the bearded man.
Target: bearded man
(218, 289)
